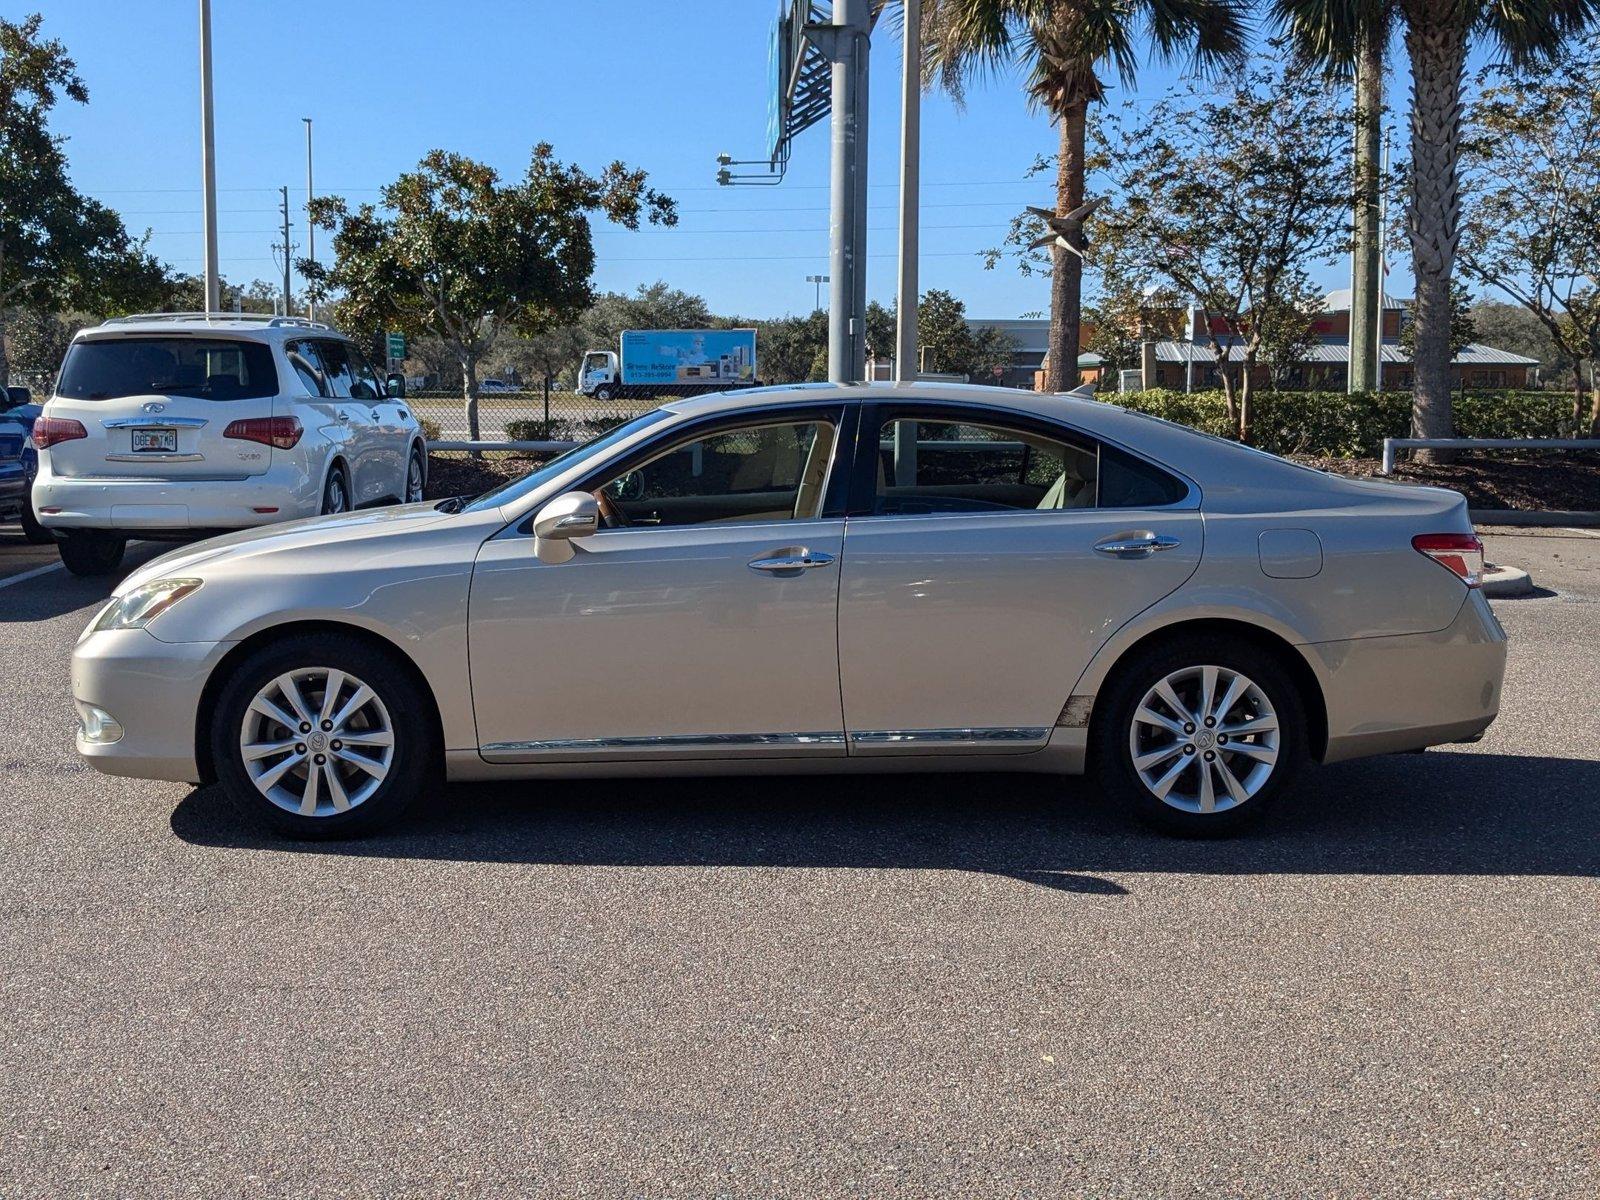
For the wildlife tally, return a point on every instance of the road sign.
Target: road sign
(397, 346)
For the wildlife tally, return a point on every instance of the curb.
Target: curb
(1579, 518)
(1500, 582)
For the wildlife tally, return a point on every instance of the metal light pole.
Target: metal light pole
(311, 228)
(905, 353)
(847, 221)
(208, 168)
(819, 280)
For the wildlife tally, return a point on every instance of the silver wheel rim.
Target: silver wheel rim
(336, 502)
(414, 480)
(1204, 739)
(317, 741)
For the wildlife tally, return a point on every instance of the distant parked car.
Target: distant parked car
(19, 463)
(178, 425)
(816, 579)
(496, 387)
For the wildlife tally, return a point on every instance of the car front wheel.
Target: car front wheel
(1201, 737)
(323, 736)
(415, 474)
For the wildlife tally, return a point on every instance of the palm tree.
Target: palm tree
(1063, 45)
(1438, 34)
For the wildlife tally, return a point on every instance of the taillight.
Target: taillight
(1459, 553)
(282, 432)
(48, 431)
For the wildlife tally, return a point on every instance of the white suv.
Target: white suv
(178, 424)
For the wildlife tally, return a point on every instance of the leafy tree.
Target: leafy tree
(881, 330)
(652, 306)
(1512, 327)
(788, 348)
(1438, 34)
(37, 341)
(948, 345)
(1531, 223)
(1063, 46)
(58, 248)
(454, 253)
(1223, 199)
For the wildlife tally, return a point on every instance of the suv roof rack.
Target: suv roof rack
(271, 320)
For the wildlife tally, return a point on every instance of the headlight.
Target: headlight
(144, 604)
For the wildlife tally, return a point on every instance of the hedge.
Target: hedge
(1342, 425)
(562, 429)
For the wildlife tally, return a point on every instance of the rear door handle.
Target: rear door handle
(1136, 545)
(791, 561)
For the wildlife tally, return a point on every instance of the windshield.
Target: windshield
(206, 368)
(514, 489)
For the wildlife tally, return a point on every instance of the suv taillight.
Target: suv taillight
(1459, 553)
(282, 432)
(48, 431)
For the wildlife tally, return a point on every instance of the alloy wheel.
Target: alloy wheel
(1204, 739)
(317, 741)
(414, 481)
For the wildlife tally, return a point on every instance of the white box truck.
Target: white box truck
(670, 362)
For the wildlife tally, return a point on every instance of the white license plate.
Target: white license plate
(155, 439)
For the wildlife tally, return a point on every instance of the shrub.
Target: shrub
(1341, 425)
(431, 429)
(562, 429)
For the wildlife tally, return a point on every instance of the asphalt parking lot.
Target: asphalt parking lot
(884, 986)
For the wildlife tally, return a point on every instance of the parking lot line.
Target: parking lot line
(27, 575)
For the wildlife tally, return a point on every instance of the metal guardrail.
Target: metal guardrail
(1390, 445)
(534, 447)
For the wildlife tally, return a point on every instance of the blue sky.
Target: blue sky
(662, 86)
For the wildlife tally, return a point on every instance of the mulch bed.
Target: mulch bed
(1537, 482)
(1532, 482)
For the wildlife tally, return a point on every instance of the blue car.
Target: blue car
(19, 461)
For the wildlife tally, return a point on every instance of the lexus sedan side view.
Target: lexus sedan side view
(815, 579)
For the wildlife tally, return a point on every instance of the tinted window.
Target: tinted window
(207, 368)
(307, 367)
(336, 368)
(363, 380)
(932, 466)
(515, 489)
(1129, 482)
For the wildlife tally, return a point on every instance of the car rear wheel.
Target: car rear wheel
(1201, 737)
(323, 737)
(336, 492)
(415, 474)
(92, 551)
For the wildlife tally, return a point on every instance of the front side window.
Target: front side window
(363, 379)
(950, 466)
(769, 472)
(203, 368)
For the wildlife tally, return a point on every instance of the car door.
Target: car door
(703, 627)
(982, 572)
(354, 414)
(385, 447)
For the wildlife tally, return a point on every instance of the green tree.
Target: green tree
(788, 348)
(1438, 34)
(1531, 220)
(454, 253)
(948, 345)
(1512, 327)
(1064, 46)
(652, 306)
(1224, 199)
(58, 248)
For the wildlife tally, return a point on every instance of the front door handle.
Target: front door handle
(1139, 544)
(791, 561)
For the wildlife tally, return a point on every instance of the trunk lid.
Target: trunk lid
(158, 407)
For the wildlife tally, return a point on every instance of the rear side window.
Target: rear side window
(1129, 482)
(206, 368)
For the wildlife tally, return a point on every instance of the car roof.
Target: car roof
(1046, 404)
(264, 326)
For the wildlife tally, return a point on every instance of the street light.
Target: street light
(311, 227)
(819, 280)
(208, 166)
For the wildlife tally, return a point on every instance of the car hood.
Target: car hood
(351, 529)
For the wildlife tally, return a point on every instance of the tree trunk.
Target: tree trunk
(469, 395)
(1066, 268)
(1244, 398)
(1438, 58)
(1366, 322)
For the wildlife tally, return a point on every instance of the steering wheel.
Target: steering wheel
(610, 511)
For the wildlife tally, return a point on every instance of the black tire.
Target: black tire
(603, 393)
(92, 551)
(31, 529)
(336, 491)
(1114, 720)
(413, 770)
(418, 463)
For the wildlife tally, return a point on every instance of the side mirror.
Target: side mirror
(13, 397)
(394, 385)
(570, 515)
